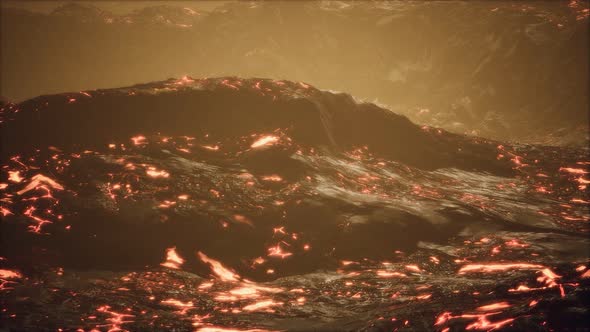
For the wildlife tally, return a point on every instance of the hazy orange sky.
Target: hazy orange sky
(117, 7)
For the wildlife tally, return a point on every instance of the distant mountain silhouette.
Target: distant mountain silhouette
(505, 70)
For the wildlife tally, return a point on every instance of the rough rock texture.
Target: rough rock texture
(252, 204)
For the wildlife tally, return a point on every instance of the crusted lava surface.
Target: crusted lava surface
(230, 204)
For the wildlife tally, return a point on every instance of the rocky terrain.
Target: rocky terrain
(229, 204)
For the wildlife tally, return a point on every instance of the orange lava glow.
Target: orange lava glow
(492, 267)
(413, 268)
(37, 181)
(273, 178)
(4, 211)
(116, 319)
(573, 170)
(173, 260)
(218, 269)
(9, 274)
(153, 172)
(262, 305)
(265, 141)
(483, 323)
(211, 148)
(39, 222)
(277, 251)
(184, 80)
(139, 140)
(182, 306)
(494, 306)
(424, 297)
(246, 290)
(14, 176)
(224, 329)
(390, 274)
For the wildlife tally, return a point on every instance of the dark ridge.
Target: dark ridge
(228, 107)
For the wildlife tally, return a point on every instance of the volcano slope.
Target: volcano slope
(230, 204)
(509, 70)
